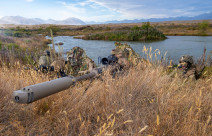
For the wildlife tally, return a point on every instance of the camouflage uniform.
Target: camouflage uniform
(187, 66)
(78, 62)
(122, 62)
(126, 55)
(59, 66)
(45, 61)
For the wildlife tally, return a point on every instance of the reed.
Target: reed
(145, 101)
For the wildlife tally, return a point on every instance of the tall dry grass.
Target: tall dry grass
(26, 50)
(146, 101)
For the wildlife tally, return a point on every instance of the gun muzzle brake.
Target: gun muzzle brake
(35, 92)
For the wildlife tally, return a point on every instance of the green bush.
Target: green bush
(40, 29)
(146, 25)
(8, 33)
(19, 32)
(204, 25)
(108, 28)
(135, 28)
(54, 29)
(13, 46)
(144, 33)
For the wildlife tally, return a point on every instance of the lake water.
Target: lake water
(175, 46)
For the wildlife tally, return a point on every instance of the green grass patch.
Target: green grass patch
(11, 46)
(207, 72)
(144, 33)
(0, 45)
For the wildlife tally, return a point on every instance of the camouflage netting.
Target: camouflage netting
(128, 53)
(186, 64)
(186, 58)
(78, 61)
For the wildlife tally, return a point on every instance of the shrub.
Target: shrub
(135, 28)
(204, 25)
(19, 32)
(144, 33)
(0, 45)
(146, 25)
(54, 29)
(13, 46)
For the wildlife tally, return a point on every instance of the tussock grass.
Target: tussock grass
(29, 42)
(25, 50)
(181, 28)
(146, 101)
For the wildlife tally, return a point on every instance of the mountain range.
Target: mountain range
(199, 17)
(18, 20)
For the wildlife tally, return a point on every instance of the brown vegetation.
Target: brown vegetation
(146, 101)
(26, 50)
(168, 28)
(35, 41)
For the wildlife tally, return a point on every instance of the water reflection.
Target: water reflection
(175, 46)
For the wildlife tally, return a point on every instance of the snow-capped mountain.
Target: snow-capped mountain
(18, 20)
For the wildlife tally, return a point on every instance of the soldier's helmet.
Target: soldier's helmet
(116, 52)
(128, 53)
(75, 55)
(186, 61)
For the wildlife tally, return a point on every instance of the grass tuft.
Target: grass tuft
(145, 101)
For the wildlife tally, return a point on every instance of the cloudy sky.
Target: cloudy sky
(103, 10)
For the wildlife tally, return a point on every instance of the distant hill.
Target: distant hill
(18, 20)
(199, 17)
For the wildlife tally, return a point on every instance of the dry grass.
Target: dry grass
(34, 41)
(146, 101)
(26, 50)
(167, 27)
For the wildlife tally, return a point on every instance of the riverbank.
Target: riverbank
(169, 28)
(144, 33)
(173, 46)
(149, 99)
(24, 50)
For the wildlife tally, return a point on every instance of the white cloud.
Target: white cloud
(127, 9)
(64, 14)
(105, 10)
(84, 3)
(111, 10)
(29, 0)
(73, 7)
(61, 2)
(101, 18)
(137, 9)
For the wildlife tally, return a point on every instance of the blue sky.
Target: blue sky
(103, 10)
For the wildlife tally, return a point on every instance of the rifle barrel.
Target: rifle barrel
(35, 92)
